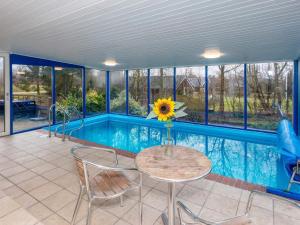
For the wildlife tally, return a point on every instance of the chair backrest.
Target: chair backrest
(81, 160)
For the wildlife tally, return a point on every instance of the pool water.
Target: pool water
(246, 155)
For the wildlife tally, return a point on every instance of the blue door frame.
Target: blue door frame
(25, 60)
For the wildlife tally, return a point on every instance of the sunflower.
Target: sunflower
(164, 109)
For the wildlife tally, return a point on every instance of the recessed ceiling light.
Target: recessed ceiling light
(110, 62)
(20, 72)
(58, 68)
(212, 53)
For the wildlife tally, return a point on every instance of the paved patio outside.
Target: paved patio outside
(39, 185)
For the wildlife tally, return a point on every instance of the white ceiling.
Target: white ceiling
(151, 33)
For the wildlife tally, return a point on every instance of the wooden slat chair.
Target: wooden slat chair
(244, 219)
(102, 181)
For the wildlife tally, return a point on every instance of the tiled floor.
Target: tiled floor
(39, 185)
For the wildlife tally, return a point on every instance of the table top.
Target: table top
(185, 164)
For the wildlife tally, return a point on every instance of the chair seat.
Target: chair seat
(110, 183)
(241, 220)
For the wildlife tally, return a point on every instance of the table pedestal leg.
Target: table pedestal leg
(171, 206)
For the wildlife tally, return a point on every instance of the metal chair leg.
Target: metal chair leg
(140, 207)
(77, 206)
(291, 180)
(88, 218)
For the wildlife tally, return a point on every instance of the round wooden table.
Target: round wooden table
(182, 164)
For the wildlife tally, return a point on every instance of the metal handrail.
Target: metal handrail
(78, 115)
(49, 118)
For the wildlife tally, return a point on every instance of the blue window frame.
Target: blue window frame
(171, 82)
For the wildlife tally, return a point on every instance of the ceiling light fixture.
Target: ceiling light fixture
(212, 53)
(21, 72)
(58, 68)
(110, 62)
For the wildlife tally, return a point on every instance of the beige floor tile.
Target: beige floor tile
(147, 181)
(194, 195)
(134, 194)
(156, 199)
(227, 191)
(113, 206)
(121, 222)
(43, 168)
(281, 219)
(7, 165)
(203, 184)
(13, 191)
(100, 217)
(262, 216)
(150, 215)
(26, 200)
(163, 187)
(221, 204)
(69, 181)
(54, 220)
(4, 184)
(58, 200)
(18, 217)
(33, 163)
(211, 215)
(20, 177)
(32, 183)
(67, 211)
(39, 211)
(286, 209)
(7, 205)
(45, 191)
(263, 202)
(55, 173)
(12, 171)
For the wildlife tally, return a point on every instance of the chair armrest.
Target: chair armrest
(275, 197)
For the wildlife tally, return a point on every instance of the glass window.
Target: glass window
(190, 89)
(117, 92)
(138, 92)
(95, 91)
(226, 94)
(31, 96)
(269, 84)
(2, 96)
(69, 86)
(161, 83)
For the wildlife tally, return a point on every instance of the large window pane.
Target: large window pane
(68, 88)
(31, 96)
(161, 83)
(225, 93)
(117, 92)
(95, 91)
(190, 89)
(269, 84)
(138, 92)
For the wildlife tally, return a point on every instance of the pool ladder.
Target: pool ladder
(68, 113)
